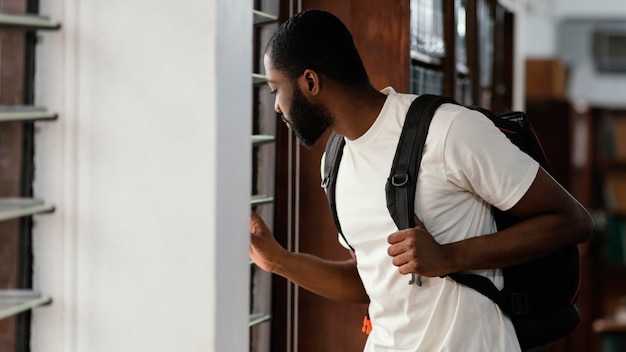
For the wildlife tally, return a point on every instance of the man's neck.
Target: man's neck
(356, 112)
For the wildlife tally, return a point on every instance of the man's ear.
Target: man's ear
(310, 82)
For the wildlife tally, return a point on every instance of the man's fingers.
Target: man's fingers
(396, 237)
(400, 242)
(402, 234)
(400, 259)
(254, 223)
(393, 251)
(257, 226)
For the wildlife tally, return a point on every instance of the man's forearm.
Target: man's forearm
(338, 280)
(528, 240)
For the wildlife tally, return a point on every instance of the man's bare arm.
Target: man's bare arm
(552, 220)
(338, 280)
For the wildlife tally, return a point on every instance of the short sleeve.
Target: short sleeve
(479, 158)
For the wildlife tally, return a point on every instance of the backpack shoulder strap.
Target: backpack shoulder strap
(401, 184)
(402, 181)
(332, 158)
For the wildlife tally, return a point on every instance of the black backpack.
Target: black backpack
(539, 296)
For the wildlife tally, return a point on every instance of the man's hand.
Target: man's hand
(264, 249)
(416, 251)
(332, 279)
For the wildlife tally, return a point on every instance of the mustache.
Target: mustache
(287, 122)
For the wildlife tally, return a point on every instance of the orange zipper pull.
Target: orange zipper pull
(367, 325)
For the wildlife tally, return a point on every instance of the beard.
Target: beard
(308, 120)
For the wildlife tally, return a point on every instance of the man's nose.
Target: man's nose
(277, 107)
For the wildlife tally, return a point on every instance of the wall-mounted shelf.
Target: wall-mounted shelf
(20, 153)
(13, 302)
(261, 199)
(258, 79)
(257, 319)
(263, 161)
(261, 18)
(425, 59)
(25, 113)
(27, 22)
(259, 139)
(13, 208)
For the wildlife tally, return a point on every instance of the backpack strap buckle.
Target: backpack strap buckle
(399, 180)
(325, 182)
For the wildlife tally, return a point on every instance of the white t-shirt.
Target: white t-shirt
(467, 165)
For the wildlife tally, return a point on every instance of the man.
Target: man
(319, 82)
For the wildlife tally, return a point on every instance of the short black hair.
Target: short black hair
(317, 40)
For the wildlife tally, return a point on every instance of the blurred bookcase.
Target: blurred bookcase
(462, 49)
(611, 168)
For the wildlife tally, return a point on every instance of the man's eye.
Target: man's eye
(273, 92)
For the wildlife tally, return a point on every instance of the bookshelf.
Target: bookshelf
(564, 130)
(588, 158)
(462, 49)
(610, 165)
(609, 204)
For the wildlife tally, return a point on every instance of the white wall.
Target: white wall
(591, 9)
(539, 27)
(149, 168)
(541, 17)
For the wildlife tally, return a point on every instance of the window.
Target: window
(264, 165)
(17, 116)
